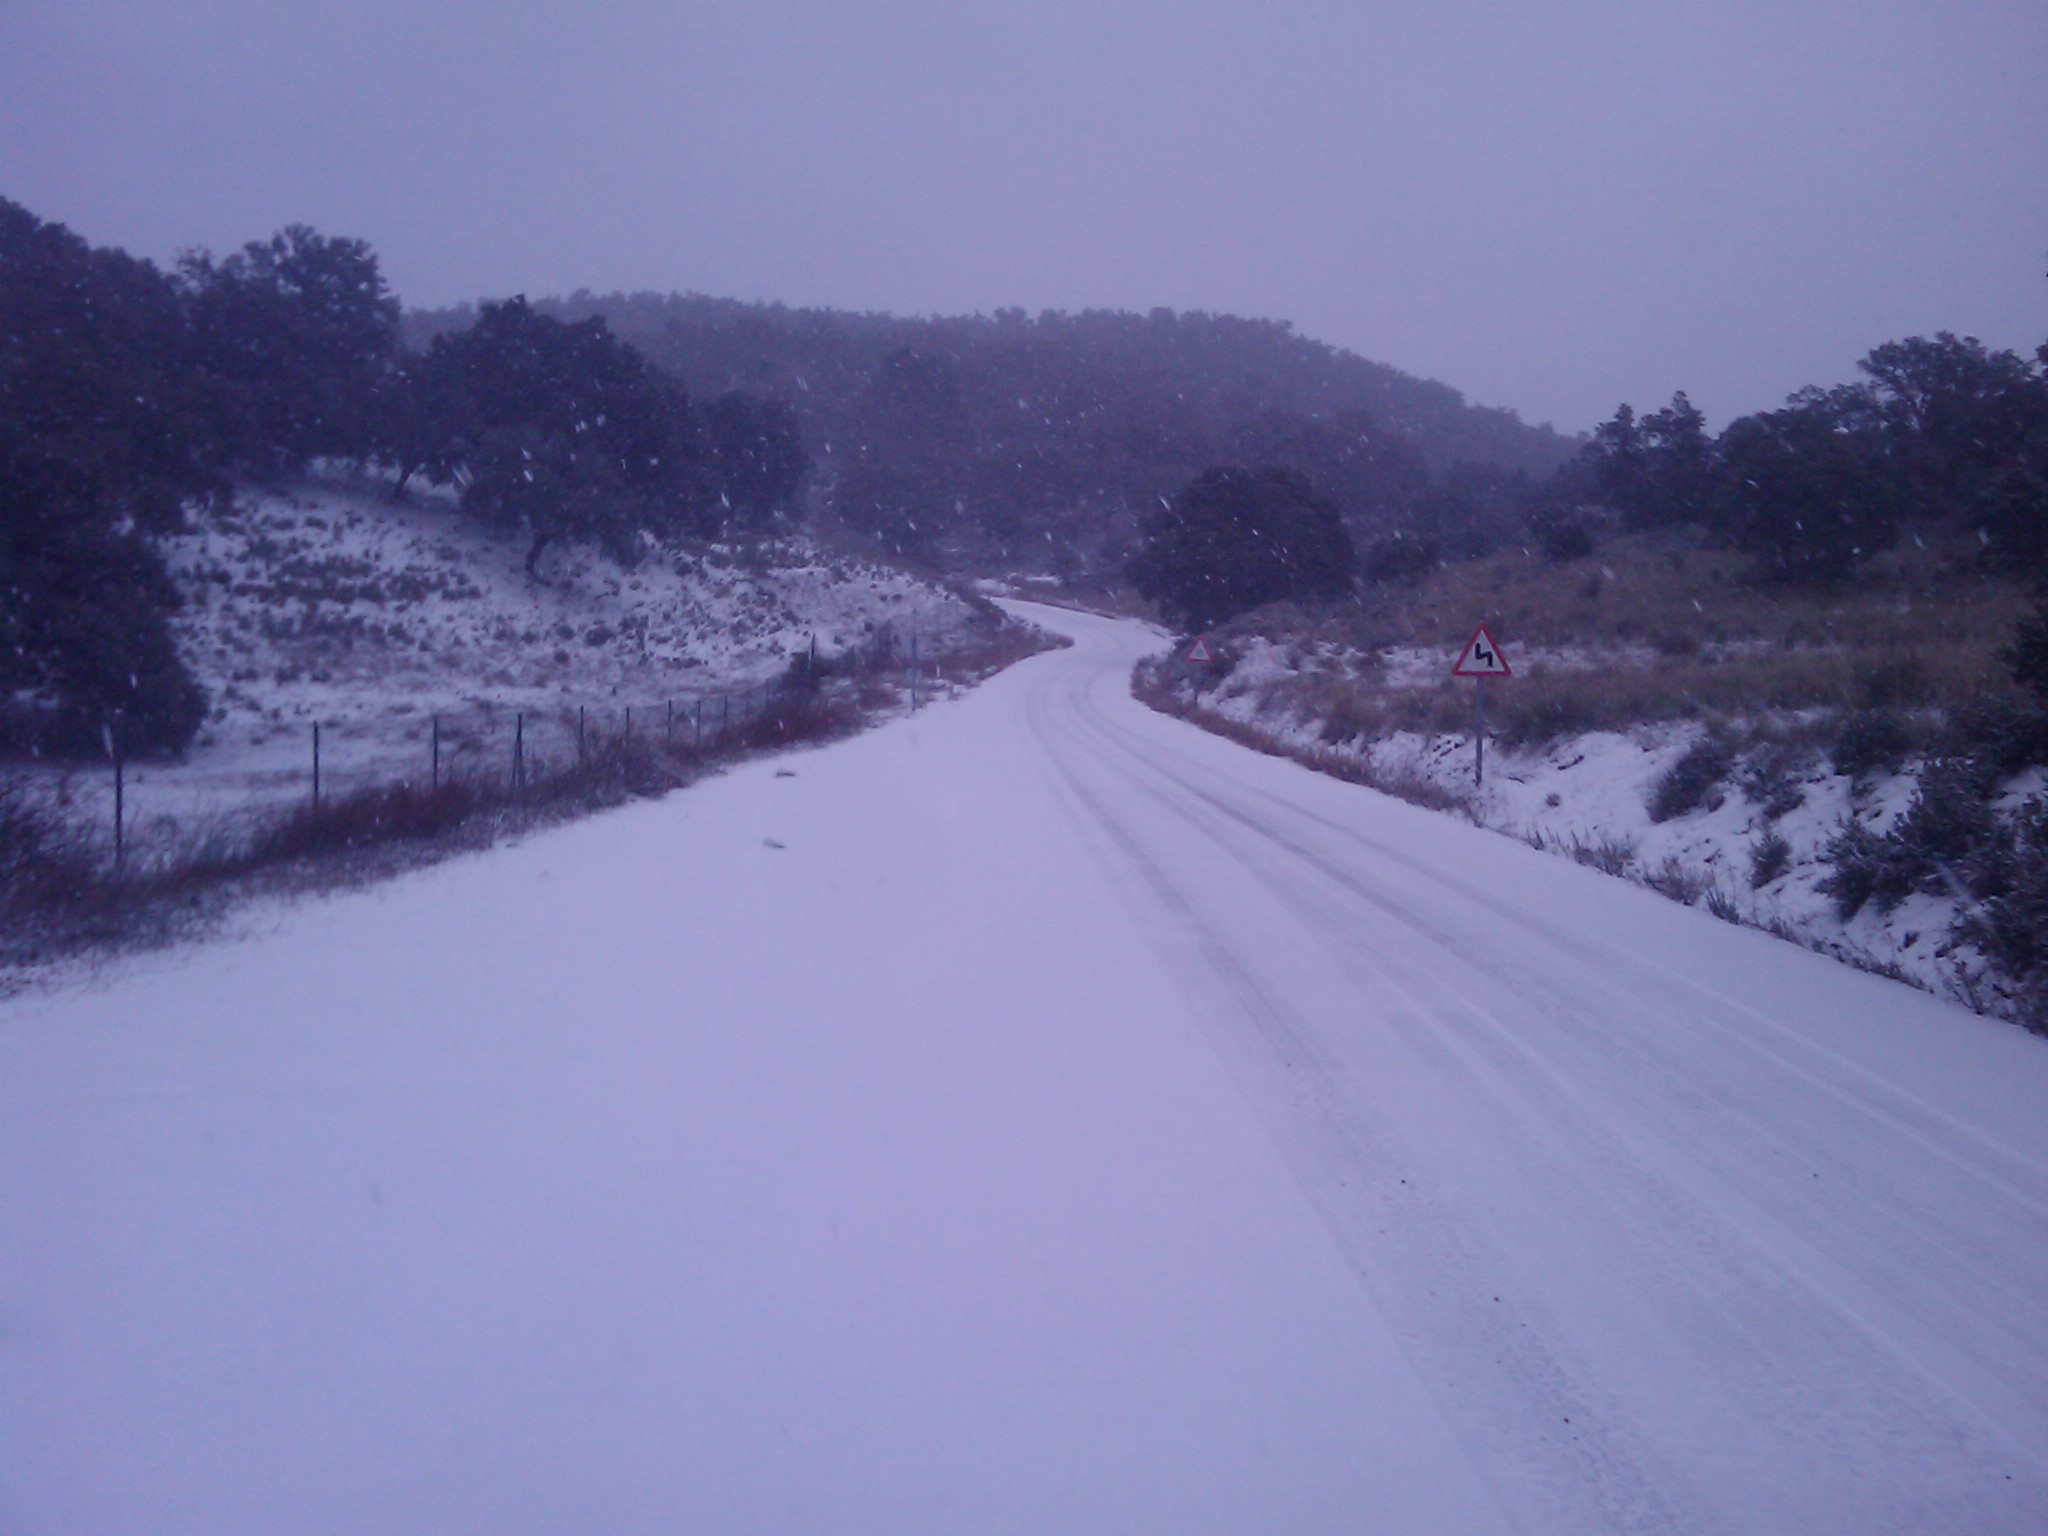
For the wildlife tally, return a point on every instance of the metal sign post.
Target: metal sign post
(1480, 660)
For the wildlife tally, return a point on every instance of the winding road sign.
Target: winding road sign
(1482, 658)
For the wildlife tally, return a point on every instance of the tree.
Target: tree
(1236, 538)
(1956, 415)
(1655, 470)
(561, 430)
(101, 446)
(757, 457)
(1806, 489)
(298, 333)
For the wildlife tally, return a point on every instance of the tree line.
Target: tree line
(1941, 436)
(994, 442)
(129, 394)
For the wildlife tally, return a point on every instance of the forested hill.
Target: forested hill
(1022, 437)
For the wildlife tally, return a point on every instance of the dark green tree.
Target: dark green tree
(561, 431)
(1656, 469)
(1236, 538)
(1957, 415)
(757, 457)
(101, 447)
(297, 334)
(1807, 489)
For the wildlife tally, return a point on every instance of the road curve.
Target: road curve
(1033, 1115)
(1686, 1229)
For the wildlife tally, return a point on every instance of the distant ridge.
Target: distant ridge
(984, 442)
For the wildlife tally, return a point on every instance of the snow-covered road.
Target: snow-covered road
(1034, 1116)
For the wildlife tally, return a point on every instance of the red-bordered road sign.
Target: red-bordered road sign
(1199, 652)
(1482, 658)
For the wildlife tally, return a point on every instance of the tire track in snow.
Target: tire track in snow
(1696, 1207)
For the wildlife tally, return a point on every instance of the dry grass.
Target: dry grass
(1649, 629)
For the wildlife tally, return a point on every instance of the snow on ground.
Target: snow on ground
(1588, 796)
(326, 601)
(1033, 1115)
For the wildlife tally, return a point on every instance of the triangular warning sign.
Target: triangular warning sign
(1482, 658)
(1199, 652)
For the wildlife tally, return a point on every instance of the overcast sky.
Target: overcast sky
(1551, 207)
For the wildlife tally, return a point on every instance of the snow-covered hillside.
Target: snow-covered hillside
(328, 602)
(1589, 796)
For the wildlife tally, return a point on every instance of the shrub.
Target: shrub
(1609, 855)
(1949, 831)
(1687, 783)
(2004, 737)
(1870, 739)
(1948, 834)
(1564, 539)
(1721, 902)
(1857, 868)
(1770, 781)
(1674, 880)
(2011, 926)
(1769, 857)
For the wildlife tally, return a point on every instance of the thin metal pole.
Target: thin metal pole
(1479, 733)
(700, 722)
(120, 797)
(668, 723)
(437, 754)
(629, 719)
(579, 735)
(316, 765)
(519, 750)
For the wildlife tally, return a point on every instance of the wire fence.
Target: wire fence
(494, 753)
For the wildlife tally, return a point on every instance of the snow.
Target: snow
(1035, 1114)
(325, 601)
(1588, 792)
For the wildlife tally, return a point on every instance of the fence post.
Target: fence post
(519, 751)
(629, 720)
(700, 720)
(436, 782)
(316, 765)
(120, 795)
(579, 735)
(724, 713)
(668, 724)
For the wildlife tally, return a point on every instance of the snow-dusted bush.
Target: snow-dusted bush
(1870, 740)
(2011, 925)
(1688, 783)
(1769, 857)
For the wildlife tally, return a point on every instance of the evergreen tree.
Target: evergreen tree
(1806, 489)
(297, 334)
(101, 446)
(1236, 538)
